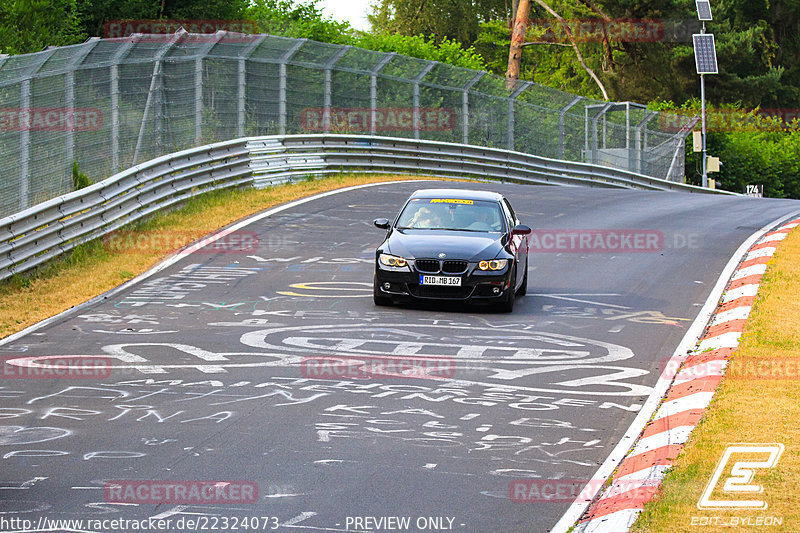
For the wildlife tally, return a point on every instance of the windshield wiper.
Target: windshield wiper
(450, 229)
(464, 229)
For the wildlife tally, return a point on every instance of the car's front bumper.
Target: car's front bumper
(476, 285)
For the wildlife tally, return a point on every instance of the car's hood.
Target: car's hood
(471, 246)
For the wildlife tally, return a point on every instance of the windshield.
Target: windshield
(451, 214)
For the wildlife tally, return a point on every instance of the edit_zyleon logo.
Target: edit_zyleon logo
(739, 481)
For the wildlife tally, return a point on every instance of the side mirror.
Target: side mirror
(521, 229)
(382, 223)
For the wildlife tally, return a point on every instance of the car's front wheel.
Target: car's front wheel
(523, 289)
(377, 296)
(507, 303)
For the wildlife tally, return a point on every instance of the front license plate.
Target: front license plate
(448, 281)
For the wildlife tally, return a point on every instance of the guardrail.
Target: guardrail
(44, 231)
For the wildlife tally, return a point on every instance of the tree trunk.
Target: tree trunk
(521, 23)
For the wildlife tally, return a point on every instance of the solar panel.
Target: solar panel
(703, 9)
(705, 54)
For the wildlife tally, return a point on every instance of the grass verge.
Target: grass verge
(92, 269)
(760, 403)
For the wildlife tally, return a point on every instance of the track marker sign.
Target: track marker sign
(754, 190)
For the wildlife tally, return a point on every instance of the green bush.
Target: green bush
(79, 179)
(753, 149)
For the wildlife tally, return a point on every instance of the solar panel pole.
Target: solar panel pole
(703, 113)
(703, 14)
(703, 127)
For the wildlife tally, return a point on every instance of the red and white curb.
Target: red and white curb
(637, 478)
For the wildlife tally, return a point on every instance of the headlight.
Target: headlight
(494, 264)
(393, 261)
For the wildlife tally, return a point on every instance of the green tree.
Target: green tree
(458, 20)
(445, 51)
(30, 25)
(298, 20)
(95, 13)
(306, 20)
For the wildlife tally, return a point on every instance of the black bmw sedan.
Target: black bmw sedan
(453, 244)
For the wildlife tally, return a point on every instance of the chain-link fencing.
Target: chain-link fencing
(108, 104)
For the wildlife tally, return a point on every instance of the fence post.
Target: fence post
(326, 96)
(70, 92)
(562, 136)
(373, 91)
(242, 85)
(648, 116)
(114, 118)
(25, 133)
(24, 147)
(69, 97)
(153, 81)
(595, 118)
(282, 118)
(118, 56)
(198, 99)
(511, 99)
(198, 85)
(465, 107)
(418, 79)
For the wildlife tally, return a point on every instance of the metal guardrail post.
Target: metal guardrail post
(242, 82)
(373, 91)
(465, 107)
(282, 118)
(511, 99)
(418, 79)
(562, 135)
(326, 96)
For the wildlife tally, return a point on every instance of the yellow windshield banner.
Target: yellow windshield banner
(451, 201)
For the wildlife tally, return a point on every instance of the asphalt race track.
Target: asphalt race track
(211, 378)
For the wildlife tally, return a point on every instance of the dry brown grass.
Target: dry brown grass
(92, 270)
(747, 409)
